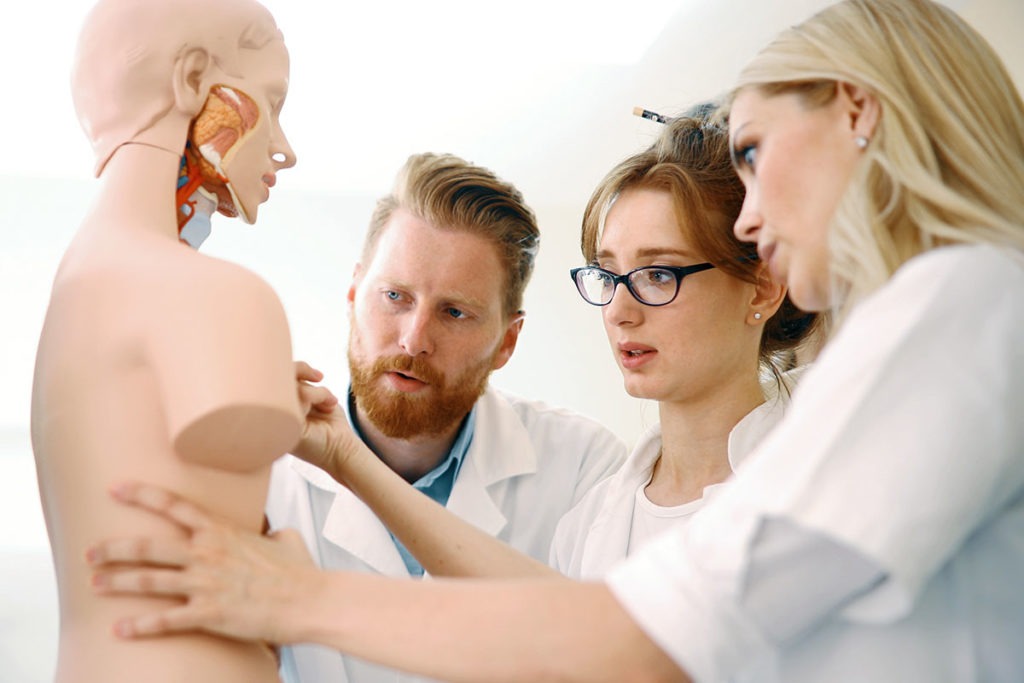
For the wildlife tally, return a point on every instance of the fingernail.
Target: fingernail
(123, 629)
(99, 580)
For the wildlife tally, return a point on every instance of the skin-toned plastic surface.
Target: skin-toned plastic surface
(156, 362)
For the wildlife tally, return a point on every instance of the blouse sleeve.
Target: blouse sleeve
(904, 439)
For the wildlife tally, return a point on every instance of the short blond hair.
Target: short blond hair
(453, 194)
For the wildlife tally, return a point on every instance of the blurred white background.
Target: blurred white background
(539, 91)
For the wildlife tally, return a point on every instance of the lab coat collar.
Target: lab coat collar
(609, 533)
(608, 536)
(501, 449)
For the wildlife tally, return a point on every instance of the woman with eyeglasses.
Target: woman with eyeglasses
(694, 322)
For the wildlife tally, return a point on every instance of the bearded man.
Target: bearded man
(434, 307)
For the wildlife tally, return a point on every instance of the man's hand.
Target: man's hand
(233, 582)
(327, 440)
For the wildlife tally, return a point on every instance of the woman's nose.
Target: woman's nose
(623, 309)
(748, 223)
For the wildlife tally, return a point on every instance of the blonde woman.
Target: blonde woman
(878, 533)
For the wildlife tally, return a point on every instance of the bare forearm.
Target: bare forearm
(444, 544)
(511, 630)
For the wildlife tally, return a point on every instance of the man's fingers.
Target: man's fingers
(164, 503)
(166, 552)
(306, 372)
(320, 398)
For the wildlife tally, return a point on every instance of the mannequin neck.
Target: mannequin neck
(138, 190)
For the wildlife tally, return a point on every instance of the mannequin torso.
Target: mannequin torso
(159, 364)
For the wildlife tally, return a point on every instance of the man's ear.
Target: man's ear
(508, 341)
(863, 109)
(190, 86)
(768, 296)
(357, 276)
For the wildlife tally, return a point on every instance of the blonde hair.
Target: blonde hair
(453, 194)
(946, 162)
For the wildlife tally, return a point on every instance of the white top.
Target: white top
(650, 520)
(596, 534)
(900, 469)
(527, 465)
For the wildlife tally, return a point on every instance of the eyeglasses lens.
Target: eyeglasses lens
(595, 286)
(653, 285)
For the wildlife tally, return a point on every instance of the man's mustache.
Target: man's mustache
(411, 365)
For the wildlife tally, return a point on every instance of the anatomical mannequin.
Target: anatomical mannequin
(157, 363)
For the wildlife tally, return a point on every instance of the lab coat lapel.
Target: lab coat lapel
(608, 537)
(354, 528)
(501, 449)
(349, 524)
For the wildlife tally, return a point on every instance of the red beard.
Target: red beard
(404, 416)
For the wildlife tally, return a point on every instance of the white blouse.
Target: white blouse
(878, 533)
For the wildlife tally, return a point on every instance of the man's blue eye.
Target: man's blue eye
(392, 295)
(456, 313)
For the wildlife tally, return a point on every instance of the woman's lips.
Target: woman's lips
(633, 356)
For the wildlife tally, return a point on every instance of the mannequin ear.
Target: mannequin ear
(190, 89)
(863, 108)
(768, 296)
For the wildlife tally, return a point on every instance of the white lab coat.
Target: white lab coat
(528, 464)
(595, 534)
(904, 448)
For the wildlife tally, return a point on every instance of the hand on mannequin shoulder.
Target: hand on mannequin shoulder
(328, 441)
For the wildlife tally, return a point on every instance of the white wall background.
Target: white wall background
(541, 92)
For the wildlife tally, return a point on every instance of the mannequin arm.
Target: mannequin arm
(223, 363)
(445, 544)
(246, 586)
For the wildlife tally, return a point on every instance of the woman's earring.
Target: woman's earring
(861, 141)
(757, 316)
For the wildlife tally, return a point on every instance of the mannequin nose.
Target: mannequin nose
(282, 152)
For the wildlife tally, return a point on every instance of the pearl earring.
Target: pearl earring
(757, 316)
(861, 141)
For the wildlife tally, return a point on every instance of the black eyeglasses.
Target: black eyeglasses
(650, 285)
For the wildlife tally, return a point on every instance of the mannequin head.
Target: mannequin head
(144, 71)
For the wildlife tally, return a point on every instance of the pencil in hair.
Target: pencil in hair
(647, 114)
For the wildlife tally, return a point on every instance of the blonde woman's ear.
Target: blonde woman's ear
(864, 111)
